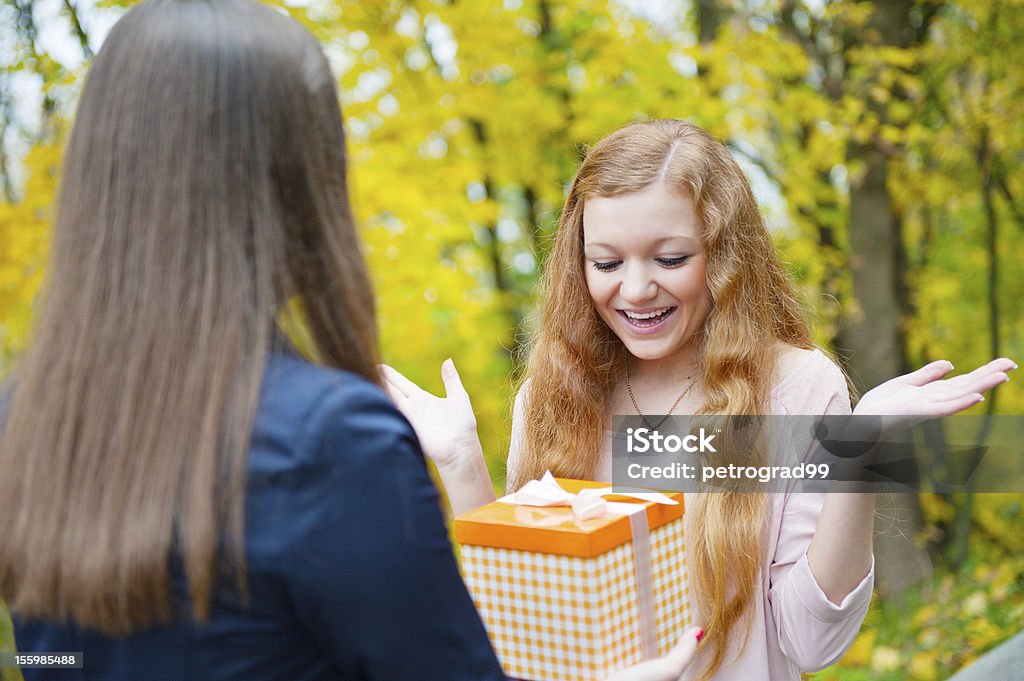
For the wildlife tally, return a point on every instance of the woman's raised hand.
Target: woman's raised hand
(668, 667)
(923, 394)
(445, 426)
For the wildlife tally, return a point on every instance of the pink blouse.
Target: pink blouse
(794, 627)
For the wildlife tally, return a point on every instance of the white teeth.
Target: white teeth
(647, 315)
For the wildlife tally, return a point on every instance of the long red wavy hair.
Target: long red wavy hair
(576, 361)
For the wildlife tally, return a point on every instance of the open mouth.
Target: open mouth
(648, 319)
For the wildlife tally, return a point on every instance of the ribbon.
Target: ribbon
(644, 584)
(589, 503)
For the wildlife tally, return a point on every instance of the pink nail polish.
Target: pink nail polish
(700, 635)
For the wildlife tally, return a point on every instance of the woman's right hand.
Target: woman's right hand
(445, 426)
(668, 667)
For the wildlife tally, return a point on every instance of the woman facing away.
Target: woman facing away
(663, 294)
(182, 495)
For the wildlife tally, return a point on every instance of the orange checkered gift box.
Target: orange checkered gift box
(571, 585)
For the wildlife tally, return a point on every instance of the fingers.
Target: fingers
(1004, 364)
(681, 654)
(394, 394)
(952, 406)
(948, 397)
(668, 667)
(986, 383)
(928, 373)
(979, 381)
(997, 366)
(398, 386)
(395, 383)
(452, 382)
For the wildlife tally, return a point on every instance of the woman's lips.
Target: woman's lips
(643, 327)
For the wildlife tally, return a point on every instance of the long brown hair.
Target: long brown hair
(576, 361)
(203, 185)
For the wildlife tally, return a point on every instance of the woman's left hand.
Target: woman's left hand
(923, 394)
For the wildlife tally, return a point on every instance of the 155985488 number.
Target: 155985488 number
(30, 660)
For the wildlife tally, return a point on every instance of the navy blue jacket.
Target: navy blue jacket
(350, 570)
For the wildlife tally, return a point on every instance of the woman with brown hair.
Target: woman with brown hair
(183, 495)
(663, 294)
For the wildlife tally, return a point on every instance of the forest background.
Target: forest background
(885, 142)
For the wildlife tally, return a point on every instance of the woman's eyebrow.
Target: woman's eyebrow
(688, 240)
(677, 237)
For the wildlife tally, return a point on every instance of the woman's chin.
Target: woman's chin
(661, 349)
(647, 351)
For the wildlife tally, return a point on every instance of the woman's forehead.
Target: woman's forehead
(655, 216)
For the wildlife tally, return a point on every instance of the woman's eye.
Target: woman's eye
(606, 265)
(672, 262)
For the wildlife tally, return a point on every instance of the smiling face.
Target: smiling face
(646, 270)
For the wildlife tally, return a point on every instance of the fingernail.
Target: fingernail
(700, 635)
(951, 367)
(981, 399)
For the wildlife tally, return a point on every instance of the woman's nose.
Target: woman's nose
(637, 285)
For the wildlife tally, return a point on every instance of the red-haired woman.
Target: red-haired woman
(663, 294)
(182, 494)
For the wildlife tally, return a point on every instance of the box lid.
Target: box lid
(555, 529)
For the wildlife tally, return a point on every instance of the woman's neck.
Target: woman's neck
(681, 366)
(670, 385)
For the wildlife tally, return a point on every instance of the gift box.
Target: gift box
(580, 589)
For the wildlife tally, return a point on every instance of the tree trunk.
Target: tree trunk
(872, 335)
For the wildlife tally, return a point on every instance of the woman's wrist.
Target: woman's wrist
(465, 477)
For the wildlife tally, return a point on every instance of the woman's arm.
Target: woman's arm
(821, 572)
(840, 553)
(813, 629)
